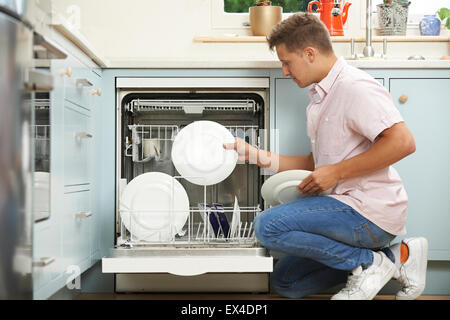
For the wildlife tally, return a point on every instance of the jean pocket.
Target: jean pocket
(368, 235)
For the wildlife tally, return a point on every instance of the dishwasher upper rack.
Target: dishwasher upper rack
(160, 135)
(193, 106)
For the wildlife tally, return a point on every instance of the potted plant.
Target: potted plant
(444, 13)
(263, 17)
(393, 17)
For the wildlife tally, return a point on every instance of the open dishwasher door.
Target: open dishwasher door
(203, 256)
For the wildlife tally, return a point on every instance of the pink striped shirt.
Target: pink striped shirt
(348, 110)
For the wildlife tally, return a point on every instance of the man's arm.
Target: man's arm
(271, 161)
(391, 146)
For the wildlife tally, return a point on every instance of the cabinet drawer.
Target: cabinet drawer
(76, 229)
(77, 82)
(77, 145)
(46, 255)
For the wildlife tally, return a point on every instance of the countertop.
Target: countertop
(273, 64)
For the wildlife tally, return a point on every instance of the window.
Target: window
(289, 6)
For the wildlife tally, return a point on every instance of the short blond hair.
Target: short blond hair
(299, 31)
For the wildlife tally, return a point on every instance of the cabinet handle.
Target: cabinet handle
(403, 98)
(83, 215)
(97, 92)
(83, 135)
(84, 83)
(67, 72)
(43, 262)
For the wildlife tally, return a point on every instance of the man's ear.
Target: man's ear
(310, 53)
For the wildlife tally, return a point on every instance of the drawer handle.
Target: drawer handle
(67, 72)
(84, 83)
(83, 135)
(403, 98)
(97, 92)
(83, 215)
(43, 262)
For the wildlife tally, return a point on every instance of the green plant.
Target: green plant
(444, 13)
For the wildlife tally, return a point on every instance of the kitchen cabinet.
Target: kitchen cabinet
(290, 118)
(70, 239)
(76, 229)
(425, 172)
(77, 145)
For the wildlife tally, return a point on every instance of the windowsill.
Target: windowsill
(250, 39)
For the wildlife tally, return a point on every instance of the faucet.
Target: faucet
(368, 50)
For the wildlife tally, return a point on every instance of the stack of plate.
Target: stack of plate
(154, 207)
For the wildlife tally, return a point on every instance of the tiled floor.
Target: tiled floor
(224, 296)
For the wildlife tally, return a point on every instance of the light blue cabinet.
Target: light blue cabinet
(77, 145)
(76, 228)
(290, 118)
(426, 172)
(70, 240)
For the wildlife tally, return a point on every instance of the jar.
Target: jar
(430, 25)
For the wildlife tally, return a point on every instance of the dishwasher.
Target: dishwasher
(196, 259)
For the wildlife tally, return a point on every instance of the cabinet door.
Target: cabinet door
(76, 230)
(77, 82)
(77, 145)
(290, 118)
(425, 173)
(46, 255)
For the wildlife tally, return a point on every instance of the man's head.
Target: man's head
(304, 48)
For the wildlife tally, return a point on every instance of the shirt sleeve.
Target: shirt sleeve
(370, 109)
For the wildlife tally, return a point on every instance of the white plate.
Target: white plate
(199, 156)
(235, 220)
(146, 207)
(282, 187)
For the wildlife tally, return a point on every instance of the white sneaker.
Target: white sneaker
(412, 274)
(365, 284)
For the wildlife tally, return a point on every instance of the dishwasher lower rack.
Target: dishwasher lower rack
(197, 251)
(230, 230)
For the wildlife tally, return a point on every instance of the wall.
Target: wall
(164, 30)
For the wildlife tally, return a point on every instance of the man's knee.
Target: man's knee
(260, 225)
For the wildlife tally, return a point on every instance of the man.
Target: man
(356, 135)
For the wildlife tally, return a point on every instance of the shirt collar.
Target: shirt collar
(319, 90)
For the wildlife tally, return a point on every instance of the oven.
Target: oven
(198, 259)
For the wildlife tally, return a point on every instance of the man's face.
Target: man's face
(295, 65)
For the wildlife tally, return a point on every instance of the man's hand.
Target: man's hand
(245, 151)
(322, 179)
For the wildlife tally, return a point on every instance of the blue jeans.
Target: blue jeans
(322, 239)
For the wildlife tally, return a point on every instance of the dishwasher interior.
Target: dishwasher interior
(158, 115)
